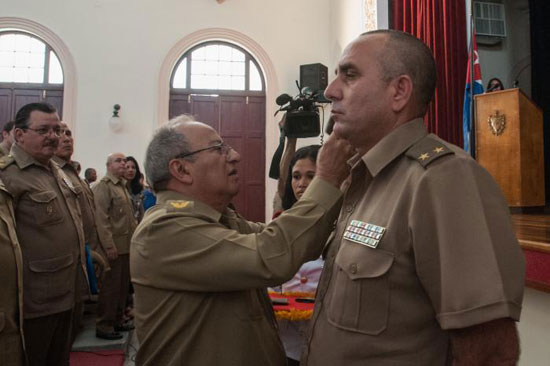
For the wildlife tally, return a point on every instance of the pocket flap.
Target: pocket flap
(51, 265)
(360, 261)
(42, 197)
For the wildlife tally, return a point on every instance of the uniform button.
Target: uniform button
(303, 279)
(353, 268)
(349, 208)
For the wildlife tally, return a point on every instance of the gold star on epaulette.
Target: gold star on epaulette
(179, 204)
(424, 156)
(437, 150)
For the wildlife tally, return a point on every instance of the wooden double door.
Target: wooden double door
(13, 97)
(240, 121)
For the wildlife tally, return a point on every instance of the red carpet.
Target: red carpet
(97, 358)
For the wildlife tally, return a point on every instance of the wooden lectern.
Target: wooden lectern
(509, 144)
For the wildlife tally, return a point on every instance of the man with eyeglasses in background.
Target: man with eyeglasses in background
(50, 232)
(115, 218)
(200, 270)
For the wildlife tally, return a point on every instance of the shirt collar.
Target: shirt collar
(198, 207)
(23, 159)
(114, 179)
(393, 145)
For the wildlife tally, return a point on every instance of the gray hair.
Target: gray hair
(167, 143)
(404, 54)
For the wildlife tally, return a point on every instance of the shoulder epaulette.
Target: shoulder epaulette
(179, 205)
(5, 161)
(428, 150)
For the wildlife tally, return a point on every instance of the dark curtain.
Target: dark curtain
(539, 11)
(441, 24)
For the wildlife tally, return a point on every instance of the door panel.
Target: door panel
(55, 98)
(6, 114)
(242, 126)
(179, 105)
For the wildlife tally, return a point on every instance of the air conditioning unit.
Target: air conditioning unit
(489, 19)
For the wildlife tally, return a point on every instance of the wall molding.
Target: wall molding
(64, 55)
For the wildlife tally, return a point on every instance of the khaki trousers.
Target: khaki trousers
(47, 339)
(113, 293)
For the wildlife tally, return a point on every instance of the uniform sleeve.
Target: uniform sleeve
(102, 200)
(193, 254)
(466, 253)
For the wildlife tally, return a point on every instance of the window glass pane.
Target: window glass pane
(56, 72)
(225, 68)
(36, 46)
(180, 76)
(22, 58)
(225, 82)
(237, 55)
(7, 58)
(211, 52)
(198, 67)
(237, 82)
(22, 43)
(7, 42)
(197, 81)
(211, 67)
(225, 53)
(237, 68)
(6, 74)
(255, 78)
(198, 54)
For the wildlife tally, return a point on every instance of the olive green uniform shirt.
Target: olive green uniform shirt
(11, 296)
(200, 277)
(424, 244)
(49, 229)
(114, 213)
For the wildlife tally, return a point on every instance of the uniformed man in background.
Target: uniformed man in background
(62, 157)
(7, 138)
(116, 221)
(200, 270)
(11, 297)
(50, 232)
(424, 267)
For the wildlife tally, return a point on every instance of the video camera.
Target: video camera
(302, 112)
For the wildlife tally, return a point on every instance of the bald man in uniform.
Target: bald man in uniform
(49, 229)
(11, 296)
(200, 270)
(117, 224)
(424, 267)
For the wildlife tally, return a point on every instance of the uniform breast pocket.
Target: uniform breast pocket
(52, 279)
(46, 208)
(360, 296)
(117, 208)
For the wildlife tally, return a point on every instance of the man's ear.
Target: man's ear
(18, 134)
(180, 170)
(402, 91)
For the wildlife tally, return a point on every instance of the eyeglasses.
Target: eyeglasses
(43, 131)
(222, 148)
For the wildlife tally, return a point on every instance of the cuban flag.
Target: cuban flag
(478, 89)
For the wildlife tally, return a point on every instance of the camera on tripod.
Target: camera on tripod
(302, 111)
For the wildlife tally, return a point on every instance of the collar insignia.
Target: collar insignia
(364, 233)
(179, 204)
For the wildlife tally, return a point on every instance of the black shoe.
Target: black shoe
(108, 335)
(124, 327)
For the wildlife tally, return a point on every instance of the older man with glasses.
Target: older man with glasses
(50, 232)
(200, 270)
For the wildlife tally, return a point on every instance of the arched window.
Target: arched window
(30, 71)
(221, 84)
(217, 66)
(26, 59)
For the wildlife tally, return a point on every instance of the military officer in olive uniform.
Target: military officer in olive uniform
(62, 157)
(424, 267)
(200, 270)
(50, 232)
(115, 217)
(11, 296)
